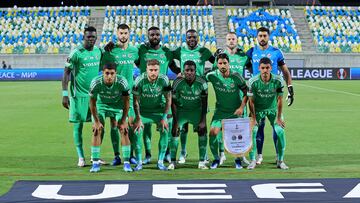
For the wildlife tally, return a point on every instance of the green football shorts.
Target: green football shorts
(79, 109)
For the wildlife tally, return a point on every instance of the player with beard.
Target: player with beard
(153, 50)
(238, 60)
(277, 62)
(199, 55)
(227, 85)
(124, 56)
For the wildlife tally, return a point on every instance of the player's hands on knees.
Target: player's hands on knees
(97, 127)
(109, 46)
(164, 125)
(202, 128)
(138, 125)
(280, 122)
(290, 96)
(123, 126)
(239, 111)
(65, 102)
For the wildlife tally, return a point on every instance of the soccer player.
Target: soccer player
(83, 65)
(109, 97)
(193, 52)
(238, 60)
(189, 105)
(265, 100)
(124, 56)
(153, 50)
(277, 61)
(152, 100)
(227, 85)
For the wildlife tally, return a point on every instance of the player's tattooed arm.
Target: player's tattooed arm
(138, 123)
(65, 82)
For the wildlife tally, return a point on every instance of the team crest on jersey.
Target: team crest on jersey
(162, 55)
(197, 92)
(158, 89)
(268, 55)
(232, 85)
(129, 55)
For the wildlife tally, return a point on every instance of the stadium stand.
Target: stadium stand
(283, 32)
(173, 22)
(335, 29)
(42, 30)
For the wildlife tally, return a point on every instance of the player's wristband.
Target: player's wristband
(65, 93)
(164, 117)
(290, 89)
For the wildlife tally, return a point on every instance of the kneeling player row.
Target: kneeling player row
(153, 97)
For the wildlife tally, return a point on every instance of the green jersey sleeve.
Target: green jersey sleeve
(176, 83)
(240, 81)
(72, 60)
(280, 83)
(165, 83)
(94, 88)
(137, 86)
(124, 86)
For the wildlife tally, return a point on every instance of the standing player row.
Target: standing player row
(83, 65)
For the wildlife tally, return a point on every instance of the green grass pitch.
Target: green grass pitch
(322, 129)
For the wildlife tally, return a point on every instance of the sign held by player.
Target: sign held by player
(237, 136)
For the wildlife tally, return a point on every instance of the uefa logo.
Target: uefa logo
(341, 74)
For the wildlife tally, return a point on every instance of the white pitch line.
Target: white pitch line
(323, 110)
(330, 90)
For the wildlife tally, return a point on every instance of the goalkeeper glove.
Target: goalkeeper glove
(218, 51)
(290, 97)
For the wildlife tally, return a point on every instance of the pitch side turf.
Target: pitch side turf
(322, 129)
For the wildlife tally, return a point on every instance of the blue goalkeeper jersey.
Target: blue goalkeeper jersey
(274, 54)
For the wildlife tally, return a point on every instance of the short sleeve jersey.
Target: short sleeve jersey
(188, 98)
(124, 60)
(274, 54)
(237, 61)
(227, 90)
(265, 94)
(109, 94)
(84, 66)
(163, 55)
(151, 94)
(199, 56)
